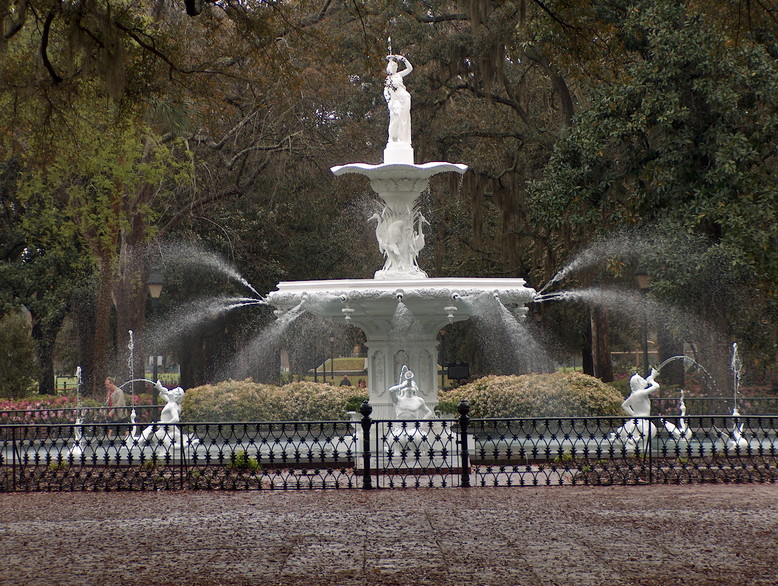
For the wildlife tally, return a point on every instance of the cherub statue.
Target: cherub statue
(638, 432)
(164, 432)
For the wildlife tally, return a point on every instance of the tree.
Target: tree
(102, 184)
(40, 267)
(685, 138)
(16, 355)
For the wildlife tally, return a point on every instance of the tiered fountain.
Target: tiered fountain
(401, 309)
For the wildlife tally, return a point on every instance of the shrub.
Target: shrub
(241, 462)
(249, 401)
(535, 395)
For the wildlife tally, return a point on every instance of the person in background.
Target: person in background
(115, 401)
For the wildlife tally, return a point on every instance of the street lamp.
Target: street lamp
(644, 280)
(332, 358)
(155, 284)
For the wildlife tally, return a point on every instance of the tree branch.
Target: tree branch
(45, 45)
(200, 203)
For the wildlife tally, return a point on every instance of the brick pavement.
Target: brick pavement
(706, 534)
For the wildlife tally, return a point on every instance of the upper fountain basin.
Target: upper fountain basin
(395, 170)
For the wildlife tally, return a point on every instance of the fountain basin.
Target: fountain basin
(401, 319)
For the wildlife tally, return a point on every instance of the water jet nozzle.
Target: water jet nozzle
(399, 294)
(455, 296)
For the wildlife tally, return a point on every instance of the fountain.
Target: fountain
(401, 310)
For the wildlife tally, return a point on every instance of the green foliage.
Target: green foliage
(17, 356)
(621, 385)
(535, 395)
(242, 462)
(246, 400)
(685, 134)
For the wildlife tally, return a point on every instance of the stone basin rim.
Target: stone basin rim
(410, 286)
(408, 170)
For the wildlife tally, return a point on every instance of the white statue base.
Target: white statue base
(398, 152)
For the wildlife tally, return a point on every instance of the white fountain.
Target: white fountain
(401, 310)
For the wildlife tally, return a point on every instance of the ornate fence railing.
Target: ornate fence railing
(367, 453)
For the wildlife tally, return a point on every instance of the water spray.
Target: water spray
(736, 365)
(131, 365)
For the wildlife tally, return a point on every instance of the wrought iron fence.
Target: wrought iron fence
(369, 453)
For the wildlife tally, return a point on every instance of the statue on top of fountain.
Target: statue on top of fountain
(398, 100)
(407, 403)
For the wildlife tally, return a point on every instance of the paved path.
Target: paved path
(709, 534)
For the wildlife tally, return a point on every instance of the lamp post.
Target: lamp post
(332, 358)
(644, 280)
(155, 284)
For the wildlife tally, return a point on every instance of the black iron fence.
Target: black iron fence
(368, 453)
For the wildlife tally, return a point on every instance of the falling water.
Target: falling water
(79, 382)
(736, 364)
(265, 344)
(617, 246)
(189, 317)
(633, 305)
(506, 339)
(689, 362)
(404, 323)
(188, 254)
(131, 362)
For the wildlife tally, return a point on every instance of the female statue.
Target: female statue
(398, 100)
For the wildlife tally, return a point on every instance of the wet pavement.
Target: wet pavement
(700, 534)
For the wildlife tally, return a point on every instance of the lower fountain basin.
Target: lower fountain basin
(447, 298)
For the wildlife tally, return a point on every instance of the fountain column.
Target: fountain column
(386, 359)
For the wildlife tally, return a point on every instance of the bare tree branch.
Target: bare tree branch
(45, 46)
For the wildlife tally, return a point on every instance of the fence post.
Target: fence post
(13, 458)
(650, 456)
(366, 410)
(464, 420)
(182, 464)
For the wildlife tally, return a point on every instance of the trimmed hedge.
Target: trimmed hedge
(246, 400)
(535, 395)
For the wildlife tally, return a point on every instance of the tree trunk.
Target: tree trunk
(672, 373)
(130, 295)
(45, 336)
(101, 330)
(602, 365)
